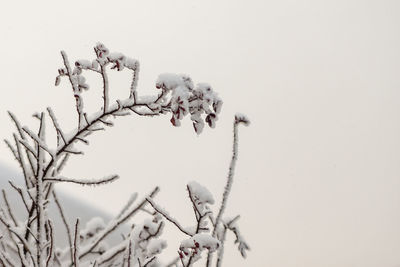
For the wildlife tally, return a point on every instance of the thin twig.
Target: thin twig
(51, 252)
(10, 213)
(67, 228)
(105, 87)
(76, 244)
(19, 190)
(238, 119)
(22, 135)
(106, 180)
(167, 216)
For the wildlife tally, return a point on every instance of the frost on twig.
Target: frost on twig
(201, 237)
(167, 216)
(105, 180)
(239, 119)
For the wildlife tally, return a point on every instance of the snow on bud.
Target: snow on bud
(196, 244)
(206, 91)
(81, 83)
(198, 126)
(206, 241)
(58, 80)
(131, 63)
(169, 81)
(201, 193)
(101, 50)
(95, 64)
(62, 71)
(93, 226)
(187, 81)
(118, 59)
(176, 122)
(241, 118)
(217, 105)
(185, 99)
(198, 123)
(156, 246)
(83, 64)
(179, 102)
(77, 71)
(211, 119)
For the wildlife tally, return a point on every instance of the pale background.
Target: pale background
(317, 181)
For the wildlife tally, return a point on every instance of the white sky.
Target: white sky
(317, 181)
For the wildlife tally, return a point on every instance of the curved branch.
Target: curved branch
(101, 181)
(238, 119)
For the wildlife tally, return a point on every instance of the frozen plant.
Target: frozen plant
(30, 242)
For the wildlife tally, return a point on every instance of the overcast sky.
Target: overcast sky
(317, 181)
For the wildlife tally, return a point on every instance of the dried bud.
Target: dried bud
(62, 71)
(176, 122)
(217, 106)
(198, 126)
(101, 50)
(211, 119)
(58, 79)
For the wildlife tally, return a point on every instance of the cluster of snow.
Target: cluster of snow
(200, 193)
(145, 241)
(119, 60)
(192, 247)
(156, 246)
(188, 99)
(94, 226)
(86, 64)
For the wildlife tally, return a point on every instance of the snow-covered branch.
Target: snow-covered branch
(167, 216)
(101, 181)
(30, 241)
